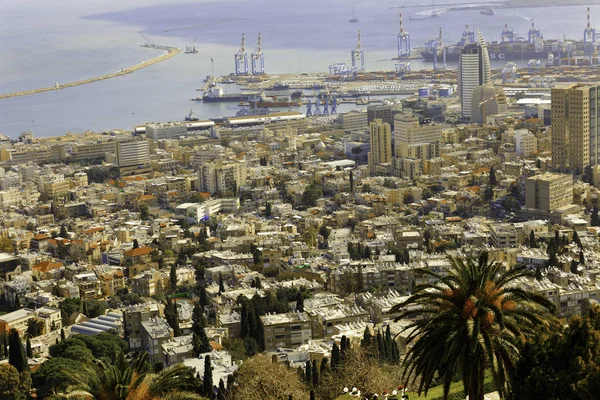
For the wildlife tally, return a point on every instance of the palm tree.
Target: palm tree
(124, 380)
(473, 320)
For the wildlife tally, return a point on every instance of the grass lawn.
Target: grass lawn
(438, 391)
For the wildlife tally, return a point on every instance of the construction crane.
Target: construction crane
(257, 59)
(241, 58)
(149, 43)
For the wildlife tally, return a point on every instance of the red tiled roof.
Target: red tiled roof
(140, 251)
(46, 266)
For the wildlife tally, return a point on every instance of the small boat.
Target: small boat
(353, 20)
(487, 11)
(191, 116)
(228, 81)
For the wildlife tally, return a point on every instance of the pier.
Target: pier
(170, 52)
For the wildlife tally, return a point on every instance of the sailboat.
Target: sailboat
(353, 20)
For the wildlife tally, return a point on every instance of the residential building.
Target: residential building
(381, 144)
(49, 317)
(487, 100)
(525, 143)
(410, 136)
(354, 121)
(221, 176)
(133, 317)
(473, 71)
(382, 112)
(288, 330)
(504, 235)
(575, 128)
(154, 333)
(548, 191)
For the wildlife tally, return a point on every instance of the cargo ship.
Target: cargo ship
(511, 47)
(215, 94)
(263, 101)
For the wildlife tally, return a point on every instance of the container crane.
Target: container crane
(241, 58)
(257, 58)
(358, 56)
(589, 37)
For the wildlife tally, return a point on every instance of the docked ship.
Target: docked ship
(487, 11)
(216, 94)
(511, 47)
(263, 101)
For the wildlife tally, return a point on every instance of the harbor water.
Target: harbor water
(46, 42)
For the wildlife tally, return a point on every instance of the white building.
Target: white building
(166, 130)
(525, 142)
(222, 176)
(133, 153)
(473, 71)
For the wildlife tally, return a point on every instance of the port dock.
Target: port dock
(170, 52)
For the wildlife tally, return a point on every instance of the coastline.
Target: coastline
(170, 52)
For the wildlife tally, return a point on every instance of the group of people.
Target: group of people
(397, 394)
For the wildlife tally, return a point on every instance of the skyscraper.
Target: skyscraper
(473, 71)
(381, 144)
(575, 130)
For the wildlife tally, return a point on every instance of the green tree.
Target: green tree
(367, 339)
(311, 194)
(221, 284)
(532, 241)
(29, 351)
(136, 244)
(144, 213)
(16, 354)
(207, 379)
(34, 328)
(299, 302)
(562, 362)
(200, 341)
(63, 232)
(336, 358)
(268, 209)
(474, 318)
(308, 373)
(173, 278)
(351, 178)
(493, 179)
(315, 374)
(576, 240)
(10, 383)
(125, 380)
(172, 317)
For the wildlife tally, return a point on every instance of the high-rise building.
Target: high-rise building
(413, 139)
(473, 70)
(382, 112)
(381, 144)
(547, 192)
(133, 156)
(575, 130)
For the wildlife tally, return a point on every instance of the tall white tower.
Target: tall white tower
(473, 70)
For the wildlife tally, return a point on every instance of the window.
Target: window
(296, 327)
(279, 337)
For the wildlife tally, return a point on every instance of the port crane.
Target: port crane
(358, 56)
(589, 37)
(149, 43)
(241, 58)
(257, 59)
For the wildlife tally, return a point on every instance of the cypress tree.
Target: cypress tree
(380, 345)
(312, 395)
(221, 284)
(2, 354)
(581, 257)
(16, 355)
(532, 242)
(299, 302)
(351, 182)
(308, 373)
(222, 391)
(29, 350)
(595, 219)
(207, 382)
(367, 339)
(244, 323)
(493, 179)
(389, 344)
(335, 357)
(62, 334)
(315, 374)
(343, 347)
(200, 341)
(324, 366)
(173, 278)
